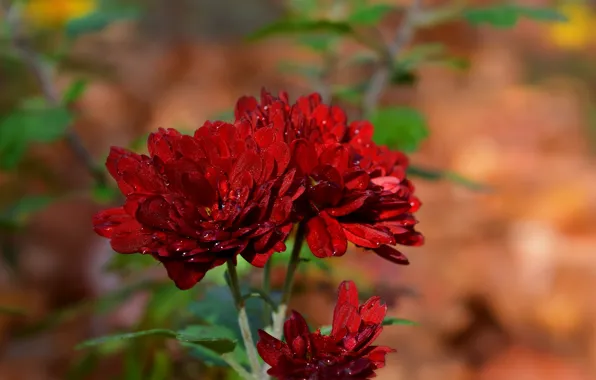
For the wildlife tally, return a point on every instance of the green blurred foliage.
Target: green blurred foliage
(402, 128)
(507, 15)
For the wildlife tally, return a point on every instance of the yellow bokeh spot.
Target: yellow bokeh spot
(56, 13)
(578, 31)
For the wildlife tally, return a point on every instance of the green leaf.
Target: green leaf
(98, 20)
(12, 311)
(506, 15)
(211, 337)
(370, 15)
(74, 91)
(388, 321)
(33, 122)
(286, 27)
(19, 212)
(319, 42)
(391, 321)
(436, 175)
(104, 194)
(542, 14)
(216, 338)
(127, 336)
(399, 127)
(307, 71)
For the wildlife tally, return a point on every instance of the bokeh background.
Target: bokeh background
(503, 287)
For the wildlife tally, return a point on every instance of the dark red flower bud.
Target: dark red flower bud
(346, 354)
(197, 201)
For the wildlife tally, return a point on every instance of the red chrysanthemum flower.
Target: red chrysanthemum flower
(197, 201)
(346, 354)
(357, 191)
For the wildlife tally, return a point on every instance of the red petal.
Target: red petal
(325, 236)
(133, 173)
(347, 304)
(105, 221)
(349, 205)
(388, 183)
(245, 104)
(373, 311)
(335, 156)
(304, 155)
(361, 130)
(357, 180)
(377, 355)
(155, 212)
(345, 320)
(249, 162)
(347, 292)
(186, 275)
(367, 236)
(391, 254)
(162, 142)
(295, 326)
(271, 349)
(281, 152)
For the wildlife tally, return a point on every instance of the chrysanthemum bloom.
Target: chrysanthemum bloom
(357, 191)
(197, 201)
(346, 354)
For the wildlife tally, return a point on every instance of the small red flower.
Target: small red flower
(197, 201)
(346, 354)
(356, 191)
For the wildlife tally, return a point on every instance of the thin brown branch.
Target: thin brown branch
(43, 75)
(381, 76)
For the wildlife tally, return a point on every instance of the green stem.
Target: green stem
(279, 316)
(229, 358)
(253, 356)
(266, 290)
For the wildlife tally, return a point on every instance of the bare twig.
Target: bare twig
(43, 75)
(381, 76)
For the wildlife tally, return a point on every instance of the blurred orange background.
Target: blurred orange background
(503, 287)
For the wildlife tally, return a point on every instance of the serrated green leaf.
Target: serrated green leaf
(403, 128)
(286, 27)
(75, 91)
(507, 15)
(370, 14)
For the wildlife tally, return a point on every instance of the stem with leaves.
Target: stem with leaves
(43, 74)
(382, 75)
(249, 344)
